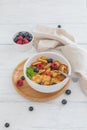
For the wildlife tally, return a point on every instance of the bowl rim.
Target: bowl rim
(23, 44)
(69, 66)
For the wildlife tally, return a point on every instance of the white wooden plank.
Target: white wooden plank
(44, 117)
(24, 15)
(62, 3)
(43, 11)
(43, 15)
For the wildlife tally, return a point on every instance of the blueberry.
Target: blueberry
(31, 108)
(21, 34)
(50, 60)
(22, 77)
(64, 101)
(7, 125)
(68, 92)
(15, 39)
(54, 83)
(36, 70)
(30, 35)
(59, 26)
(26, 34)
(40, 83)
(29, 38)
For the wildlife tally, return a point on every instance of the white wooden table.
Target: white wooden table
(17, 15)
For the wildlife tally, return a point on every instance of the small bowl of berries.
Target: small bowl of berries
(46, 72)
(23, 40)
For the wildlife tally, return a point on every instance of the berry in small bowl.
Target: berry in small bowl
(23, 40)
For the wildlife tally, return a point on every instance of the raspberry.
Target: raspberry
(39, 66)
(19, 42)
(54, 66)
(19, 82)
(20, 38)
(25, 41)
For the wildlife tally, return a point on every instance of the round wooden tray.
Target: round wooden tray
(28, 92)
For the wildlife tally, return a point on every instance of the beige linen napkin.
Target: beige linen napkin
(47, 38)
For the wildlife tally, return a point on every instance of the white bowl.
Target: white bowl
(43, 88)
(23, 47)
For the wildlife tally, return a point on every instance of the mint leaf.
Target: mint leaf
(30, 72)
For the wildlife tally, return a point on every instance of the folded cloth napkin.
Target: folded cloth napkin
(47, 38)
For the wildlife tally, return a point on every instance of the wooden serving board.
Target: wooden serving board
(28, 92)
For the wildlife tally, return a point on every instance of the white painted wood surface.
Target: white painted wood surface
(17, 15)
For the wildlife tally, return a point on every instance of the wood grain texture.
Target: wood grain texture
(28, 92)
(17, 15)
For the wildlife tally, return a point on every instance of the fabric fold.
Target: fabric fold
(47, 38)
